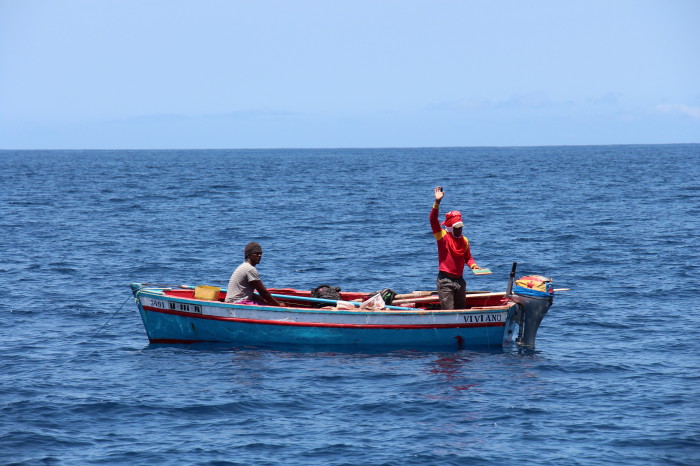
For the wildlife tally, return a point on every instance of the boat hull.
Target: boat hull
(169, 319)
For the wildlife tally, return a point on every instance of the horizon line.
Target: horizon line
(355, 147)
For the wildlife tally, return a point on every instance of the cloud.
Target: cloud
(252, 113)
(248, 114)
(609, 98)
(537, 100)
(528, 100)
(459, 105)
(675, 109)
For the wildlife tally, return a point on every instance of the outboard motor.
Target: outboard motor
(534, 295)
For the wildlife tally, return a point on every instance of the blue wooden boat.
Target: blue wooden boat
(176, 314)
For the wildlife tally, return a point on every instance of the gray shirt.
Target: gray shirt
(239, 286)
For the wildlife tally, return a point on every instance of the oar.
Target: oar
(415, 294)
(428, 299)
(327, 301)
(420, 294)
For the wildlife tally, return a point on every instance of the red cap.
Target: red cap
(452, 217)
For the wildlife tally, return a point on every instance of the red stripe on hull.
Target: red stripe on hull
(322, 324)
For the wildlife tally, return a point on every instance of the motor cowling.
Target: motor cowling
(534, 295)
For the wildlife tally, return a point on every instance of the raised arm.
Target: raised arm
(434, 222)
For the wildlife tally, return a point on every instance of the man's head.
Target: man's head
(253, 252)
(453, 222)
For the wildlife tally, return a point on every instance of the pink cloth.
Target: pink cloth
(247, 302)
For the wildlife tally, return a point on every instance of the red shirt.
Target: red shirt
(453, 252)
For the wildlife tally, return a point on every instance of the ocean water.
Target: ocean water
(614, 379)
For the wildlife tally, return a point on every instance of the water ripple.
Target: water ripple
(612, 381)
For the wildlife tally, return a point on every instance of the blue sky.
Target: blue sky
(86, 74)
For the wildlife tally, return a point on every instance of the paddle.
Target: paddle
(421, 294)
(477, 295)
(327, 301)
(414, 294)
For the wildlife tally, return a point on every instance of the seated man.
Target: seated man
(245, 280)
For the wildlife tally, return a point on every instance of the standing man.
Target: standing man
(245, 280)
(453, 253)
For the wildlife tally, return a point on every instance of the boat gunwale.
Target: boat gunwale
(159, 293)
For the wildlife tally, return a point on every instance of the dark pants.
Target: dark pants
(452, 291)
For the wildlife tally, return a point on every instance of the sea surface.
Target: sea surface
(614, 379)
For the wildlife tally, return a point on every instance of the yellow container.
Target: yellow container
(208, 293)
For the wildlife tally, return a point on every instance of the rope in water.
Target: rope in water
(101, 328)
(110, 317)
